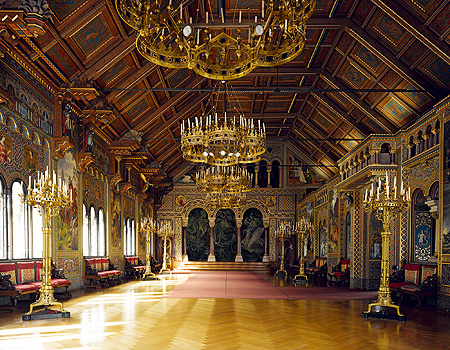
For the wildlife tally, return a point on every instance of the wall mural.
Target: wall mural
(375, 229)
(5, 148)
(446, 191)
(333, 208)
(197, 235)
(225, 233)
(301, 174)
(67, 221)
(116, 223)
(252, 235)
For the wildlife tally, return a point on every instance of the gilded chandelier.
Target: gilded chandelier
(217, 42)
(223, 139)
(228, 180)
(226, 200)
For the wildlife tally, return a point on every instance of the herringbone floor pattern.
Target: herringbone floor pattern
(134, 316)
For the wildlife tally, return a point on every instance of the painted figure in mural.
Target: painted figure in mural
(5, 149)
(23, 109)
(197, 235)
(252, 243)
(12, 96)
(89, 140)
(35, 118)
(116, 231)
(45, 122)
(296, 174)
(30, 158)
(225, 233)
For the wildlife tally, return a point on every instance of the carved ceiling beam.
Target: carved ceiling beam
(417, 29)
(319, 148)
(181, 114)
(131, 81)
(111, 57)
(339, 149)
(143, 123)
(326, 100)
(360, 104)
(390, 59)
(168, 152)
(21, 24)
(286, 69)
(327, 172)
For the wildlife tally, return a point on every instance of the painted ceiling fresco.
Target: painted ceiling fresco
(372, 47)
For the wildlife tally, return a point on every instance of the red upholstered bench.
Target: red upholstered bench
(340, 274)
(317, 270)
(25, 277)
(100, 272)
(427, 287)
(134, 267)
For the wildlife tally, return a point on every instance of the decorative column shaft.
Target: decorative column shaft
(239, 253)
(266, 240)
(211, 256)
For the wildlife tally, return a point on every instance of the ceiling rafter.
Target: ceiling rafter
(390, 59)
(326, 100)
(111, 57)
(417, 29)
(146, 119)
(374, 115)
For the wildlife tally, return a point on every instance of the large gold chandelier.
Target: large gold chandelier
(226, 200)
(223, 140)
(226, 180)
(218, 42)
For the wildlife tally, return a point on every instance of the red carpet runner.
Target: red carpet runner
(248, 285)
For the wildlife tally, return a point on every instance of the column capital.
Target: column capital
(184, 221)
(239, 222)
(212, 221)
(266, 222)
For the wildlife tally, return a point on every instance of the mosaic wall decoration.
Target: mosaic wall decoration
(30, 99)
(286, 203)
(446, 274)
(323, 236)
(374, 230)
(272, 239)
(67, 221)
(178, 229)
(93, 191)
(128, 207)
(446, 191)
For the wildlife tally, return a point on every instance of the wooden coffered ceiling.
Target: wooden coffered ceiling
(364, 50)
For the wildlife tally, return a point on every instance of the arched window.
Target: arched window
(133, 238)
(37, 237)
(275, 174)
(18, 224)
(262, 174)
(127, 236)
(101, 233)
(94, 232)
(385, 157)
(86, 251)
(3, 252)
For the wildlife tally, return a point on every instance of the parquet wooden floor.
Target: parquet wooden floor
(135, 316)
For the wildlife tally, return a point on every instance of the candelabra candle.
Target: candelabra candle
(49, 198)
(285, 230)
(165, 231)
(385, 208)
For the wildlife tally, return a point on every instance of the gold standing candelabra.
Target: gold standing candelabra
(385, 204)
(165, 231)
(148, 227)
(49, 197)
(283, 232)
(301, 228)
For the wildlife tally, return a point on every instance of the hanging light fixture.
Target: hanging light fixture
(227, 180)
(226, 200)
(223, 139)
(218, 42)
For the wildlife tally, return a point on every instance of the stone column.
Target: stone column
(392, 156)
(435, 132)
(266, 240)
(418, 148)
(211, 256)
(256, 176)
(269, 170)
(426, 139)
(184, 256)
(409, 147)
(239, 254)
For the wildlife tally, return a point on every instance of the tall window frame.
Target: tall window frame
(94, 231)
(129, 235)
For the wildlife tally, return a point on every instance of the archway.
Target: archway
(197, 235)
(225, 235)
(252, 235)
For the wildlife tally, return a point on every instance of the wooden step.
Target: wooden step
(225, 266)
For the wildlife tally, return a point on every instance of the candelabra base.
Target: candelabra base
(301, 279)
(149, 276)
(281, 273)
(45, 314)
(380, 309)
(165, 272)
